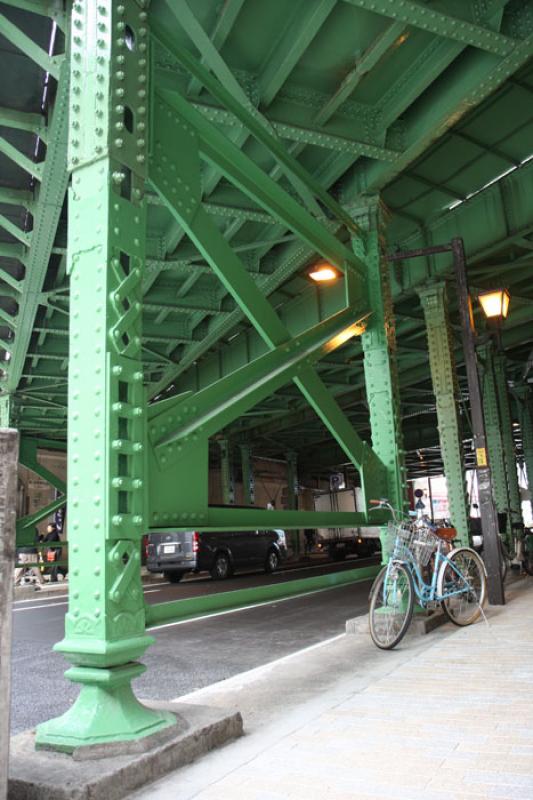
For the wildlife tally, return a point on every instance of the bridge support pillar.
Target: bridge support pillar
(444, 378)
(105, 624)
(380, 368)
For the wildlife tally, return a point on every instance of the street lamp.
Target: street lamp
(323, 273)
(495, 303)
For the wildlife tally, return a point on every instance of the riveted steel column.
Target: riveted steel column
(526, 428)
(248, 484)
(6, 410)
(381, 378)
(445, 388)
(493, 429)
(226, 473)
(105, 623)
(292, 480)
(509, 449)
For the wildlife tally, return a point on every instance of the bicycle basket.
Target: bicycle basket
(420, 541)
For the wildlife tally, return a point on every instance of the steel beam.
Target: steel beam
(445, 25)
(105, 624)
(445, 387)
(23, 42)
(46, 214)
(509, 450)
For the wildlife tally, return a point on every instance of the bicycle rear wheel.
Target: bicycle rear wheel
(391, 606)
(464, 575)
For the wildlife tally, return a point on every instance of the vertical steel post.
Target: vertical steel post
(105, 623)
(226, 473)
(489, 518)
(493, 427)
(526, 428)
(445, 388)
(292, 480)
(8, 513)
(248, 484)
(509, 449)
(380, 368)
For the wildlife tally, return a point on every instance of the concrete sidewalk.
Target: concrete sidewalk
(448, 716)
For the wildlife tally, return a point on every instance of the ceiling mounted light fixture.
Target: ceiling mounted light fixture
(323, 273)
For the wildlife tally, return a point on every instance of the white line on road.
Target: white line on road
(44, 605)
(247, 608)
(242, 678)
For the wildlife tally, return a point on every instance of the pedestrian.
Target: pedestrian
(29, 555)
(309, 534)
(53, 554)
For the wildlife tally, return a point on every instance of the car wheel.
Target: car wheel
(272, 561)
(173, 577)
(221, 568)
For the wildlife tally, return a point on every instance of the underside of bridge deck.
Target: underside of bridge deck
(170, 173)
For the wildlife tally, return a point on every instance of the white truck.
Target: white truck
(339, 542)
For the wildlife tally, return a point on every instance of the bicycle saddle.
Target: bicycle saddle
(448, 534)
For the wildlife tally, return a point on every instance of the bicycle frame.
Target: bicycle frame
(427, 592)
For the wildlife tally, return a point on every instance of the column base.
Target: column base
(105, 711)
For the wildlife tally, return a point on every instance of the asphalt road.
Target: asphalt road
(185, 656)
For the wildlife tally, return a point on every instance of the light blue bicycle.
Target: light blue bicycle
(423, 564)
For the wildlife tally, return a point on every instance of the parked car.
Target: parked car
(174, 553)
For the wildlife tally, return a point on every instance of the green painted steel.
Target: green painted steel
(493, 426)
(380, 367)
(278, 138)
(226, 601)
(526, 429)
(509, 449)
(105, 623)
(226, 473)
(445, 387)
(248, 479)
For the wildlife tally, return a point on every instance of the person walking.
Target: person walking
(29, 555)
(53, 554)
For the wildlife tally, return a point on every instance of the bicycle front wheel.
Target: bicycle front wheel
(463, 586)
(391, 606)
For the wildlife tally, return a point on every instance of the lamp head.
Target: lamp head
(495, 303)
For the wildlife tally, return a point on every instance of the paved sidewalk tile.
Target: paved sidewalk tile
(449, 718)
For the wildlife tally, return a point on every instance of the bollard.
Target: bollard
(8, 498)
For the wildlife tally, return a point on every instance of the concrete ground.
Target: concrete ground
(448, 716)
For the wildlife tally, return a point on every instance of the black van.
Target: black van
(174, 553)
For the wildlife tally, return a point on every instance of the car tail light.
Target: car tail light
(146, 545)
(195, 541)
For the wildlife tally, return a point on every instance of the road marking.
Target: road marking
(242, 678)
(45, 605)
(247, 608)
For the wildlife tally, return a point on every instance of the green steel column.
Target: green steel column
(381, 378)
(292, 480)
(493, 432)
(226, 473)
(248, 485)
(292, 495)
(445, 388)
(509, 449)
(105, 623)
(6, 411)
(526, 426)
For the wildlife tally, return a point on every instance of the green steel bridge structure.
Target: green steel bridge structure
(169, 173)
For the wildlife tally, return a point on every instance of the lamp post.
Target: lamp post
(489, 518)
